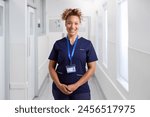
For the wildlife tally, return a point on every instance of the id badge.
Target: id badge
(71, 68)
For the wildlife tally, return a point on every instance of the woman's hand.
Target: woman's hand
(72, 87)
(64, 89)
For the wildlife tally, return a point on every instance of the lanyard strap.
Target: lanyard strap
(70, 55)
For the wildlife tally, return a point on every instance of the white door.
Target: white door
(31, 53)
(2, 51)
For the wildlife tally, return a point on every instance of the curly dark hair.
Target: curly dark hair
(72, 12)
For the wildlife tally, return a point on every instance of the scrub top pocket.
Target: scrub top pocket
(81, 55)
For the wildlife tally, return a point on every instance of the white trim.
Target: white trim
(132, 48)
(31, 51)
(104, 64)
(139, 50)
(123, 83)
(43, 64)
(7, 51)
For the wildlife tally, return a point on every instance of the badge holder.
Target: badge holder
(71, 68)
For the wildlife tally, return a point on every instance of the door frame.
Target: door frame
(3, 96)
(31, 9)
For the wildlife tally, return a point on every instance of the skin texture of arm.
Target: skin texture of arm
(84, 78)
(63, 88)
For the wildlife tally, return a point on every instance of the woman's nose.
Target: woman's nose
(72, 25)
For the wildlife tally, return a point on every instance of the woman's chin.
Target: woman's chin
(72, 34)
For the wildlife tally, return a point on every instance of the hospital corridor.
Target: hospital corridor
(118, 29)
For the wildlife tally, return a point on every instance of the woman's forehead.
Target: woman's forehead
(73, 18)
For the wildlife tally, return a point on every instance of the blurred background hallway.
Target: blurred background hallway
(118, 29)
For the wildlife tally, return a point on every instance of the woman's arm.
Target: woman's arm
(84, 78)
(54, 76)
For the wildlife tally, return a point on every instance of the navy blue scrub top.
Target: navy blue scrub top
(84, 53)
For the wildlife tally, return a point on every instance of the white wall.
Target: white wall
(139, 49)
(139, 52)
(43, 53)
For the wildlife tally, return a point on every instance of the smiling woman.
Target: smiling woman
(72, 53)
(72, 19)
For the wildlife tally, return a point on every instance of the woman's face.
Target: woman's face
(72, 25)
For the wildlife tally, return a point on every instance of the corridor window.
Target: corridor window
(122, 43)
(105, 34)
(97, 36)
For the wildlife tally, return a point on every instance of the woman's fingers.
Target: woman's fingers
(72, 87)
(65, 90)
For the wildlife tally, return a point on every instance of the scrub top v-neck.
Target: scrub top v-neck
(83, 54)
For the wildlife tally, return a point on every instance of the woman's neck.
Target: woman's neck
(72, 39)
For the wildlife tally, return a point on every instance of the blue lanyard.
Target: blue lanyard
(70, 55)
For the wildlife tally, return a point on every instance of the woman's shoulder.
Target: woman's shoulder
(60, 41)
(84, 40)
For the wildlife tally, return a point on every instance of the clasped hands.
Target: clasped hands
(67, 89)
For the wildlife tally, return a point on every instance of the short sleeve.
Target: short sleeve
(91, 54)
(54, 53)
